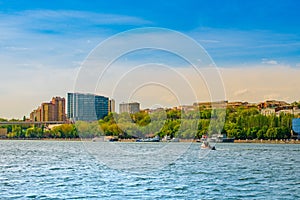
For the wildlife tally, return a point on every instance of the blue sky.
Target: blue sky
(246, 31)
(38, 38)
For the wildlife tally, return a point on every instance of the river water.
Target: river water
(87, 170)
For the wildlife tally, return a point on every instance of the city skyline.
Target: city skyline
(64, 112)
(255, 46)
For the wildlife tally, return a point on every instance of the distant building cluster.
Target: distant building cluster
(91, 107)
(83, 107)
(272, 107)
(50, 111)
(215, 105)
(268, 107)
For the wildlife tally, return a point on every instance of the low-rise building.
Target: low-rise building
(187, 108)
(129, 107)
(154, 110)
(272, 104)
(209, 105)
(285, 111)
(3, 132)
(296, 111)
(268, 111)
(237, 104)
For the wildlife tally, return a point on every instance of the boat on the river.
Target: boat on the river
(218, 138)
(105, 139)
(154, 139)
(205, 144)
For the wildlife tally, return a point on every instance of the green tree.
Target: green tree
(260, 134)
(271, 133)
(34, 132)
(88, 129)
(17, 131)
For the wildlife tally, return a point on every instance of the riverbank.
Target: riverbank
(291, 141)
(46, 139)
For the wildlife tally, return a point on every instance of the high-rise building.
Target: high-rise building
(59, 108)
(35, 115)
(86, 107)
(111, 105)
(129, 107)
(51, 111)
(47, 112)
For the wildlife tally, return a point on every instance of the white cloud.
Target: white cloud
(91, 17)
(15, 48)
(269, 62)
(240, 92)
(55, 22)
(209, 41)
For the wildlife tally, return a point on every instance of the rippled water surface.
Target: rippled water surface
(67, 170)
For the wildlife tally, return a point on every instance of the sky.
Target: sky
(255, 46)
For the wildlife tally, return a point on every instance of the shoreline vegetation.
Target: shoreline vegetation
(255, 141)
(244, 124)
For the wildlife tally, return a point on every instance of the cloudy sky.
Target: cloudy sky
(44, 45)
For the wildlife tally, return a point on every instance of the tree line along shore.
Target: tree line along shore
(244, 124)
(130, 140)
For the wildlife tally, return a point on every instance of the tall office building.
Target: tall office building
(129, 107)
(86, 107)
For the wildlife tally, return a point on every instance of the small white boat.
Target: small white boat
(205, 145)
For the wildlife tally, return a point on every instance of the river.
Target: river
(87, 170)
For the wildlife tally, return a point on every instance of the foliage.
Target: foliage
(297, 104)
(16, 132)
(34, 132)
(250, 124)
(87, 129)
(240, 123)
(64, 131)
(61, 131)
